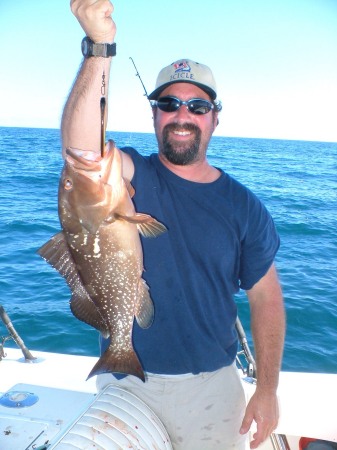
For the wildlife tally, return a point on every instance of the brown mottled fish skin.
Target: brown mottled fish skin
(99, 253)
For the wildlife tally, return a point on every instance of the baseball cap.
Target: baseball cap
(185, 71)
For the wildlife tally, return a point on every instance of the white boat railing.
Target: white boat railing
(12, 335)
(279, 441)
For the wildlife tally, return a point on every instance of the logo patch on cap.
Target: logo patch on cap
(182, 66)
(182, 71)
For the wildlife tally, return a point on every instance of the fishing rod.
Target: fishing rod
(13, 335)
(137, 75)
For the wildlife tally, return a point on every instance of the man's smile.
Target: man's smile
(182, 133)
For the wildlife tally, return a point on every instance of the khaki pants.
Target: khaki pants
(199, 412)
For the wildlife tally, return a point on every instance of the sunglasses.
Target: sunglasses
(194, 105)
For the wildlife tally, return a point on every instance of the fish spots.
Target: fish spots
(120, 255)
(97, 249)
(78, 240)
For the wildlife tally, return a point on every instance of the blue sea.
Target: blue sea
(297, 181)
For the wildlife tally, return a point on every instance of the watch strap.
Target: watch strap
(90, 48)
(104, 50)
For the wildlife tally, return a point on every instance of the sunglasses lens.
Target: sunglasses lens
(168, 104)
(199, 106)
(195, 105)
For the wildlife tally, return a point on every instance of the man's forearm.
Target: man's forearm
(81, 120)
(268, 330)
(268, 336)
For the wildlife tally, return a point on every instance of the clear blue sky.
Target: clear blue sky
(275, 62)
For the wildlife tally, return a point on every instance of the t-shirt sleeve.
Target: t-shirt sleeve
(259, 246)
(139, 160)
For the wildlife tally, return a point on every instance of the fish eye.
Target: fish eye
(68, 184)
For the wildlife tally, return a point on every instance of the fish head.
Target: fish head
(85, 192)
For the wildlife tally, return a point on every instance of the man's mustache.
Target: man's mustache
(180, 127)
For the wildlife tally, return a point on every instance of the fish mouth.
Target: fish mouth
(90, 160)
(86, 160)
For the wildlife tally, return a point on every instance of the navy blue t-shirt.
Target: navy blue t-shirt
(220, 238)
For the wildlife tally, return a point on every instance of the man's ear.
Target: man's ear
(216, 121)
(154, 115)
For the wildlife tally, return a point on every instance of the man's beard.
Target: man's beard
(182, 153)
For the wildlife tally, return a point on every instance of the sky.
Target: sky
(274, 61)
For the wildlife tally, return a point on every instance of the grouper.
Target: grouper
(99, 253)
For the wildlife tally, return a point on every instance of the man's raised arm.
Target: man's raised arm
(81, 120)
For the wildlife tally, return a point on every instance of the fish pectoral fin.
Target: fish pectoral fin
(85, 310)
(151, 228)
(147, 225)
(145, 311)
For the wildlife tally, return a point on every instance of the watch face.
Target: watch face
(89, 48)
(85, 47)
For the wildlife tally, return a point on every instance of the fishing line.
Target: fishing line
(103, 103)
(103, 108)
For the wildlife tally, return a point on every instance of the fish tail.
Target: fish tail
(113, 362)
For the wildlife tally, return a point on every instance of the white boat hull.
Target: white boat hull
(307, 402)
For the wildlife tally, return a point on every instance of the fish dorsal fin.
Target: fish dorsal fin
(56, 252)
(145, 312)
(147, 225)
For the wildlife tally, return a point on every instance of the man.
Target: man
(220, 238)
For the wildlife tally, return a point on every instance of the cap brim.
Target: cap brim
(155, 94)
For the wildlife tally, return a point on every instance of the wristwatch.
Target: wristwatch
(89, 48)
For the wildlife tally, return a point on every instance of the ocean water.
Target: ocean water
(295, 179)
